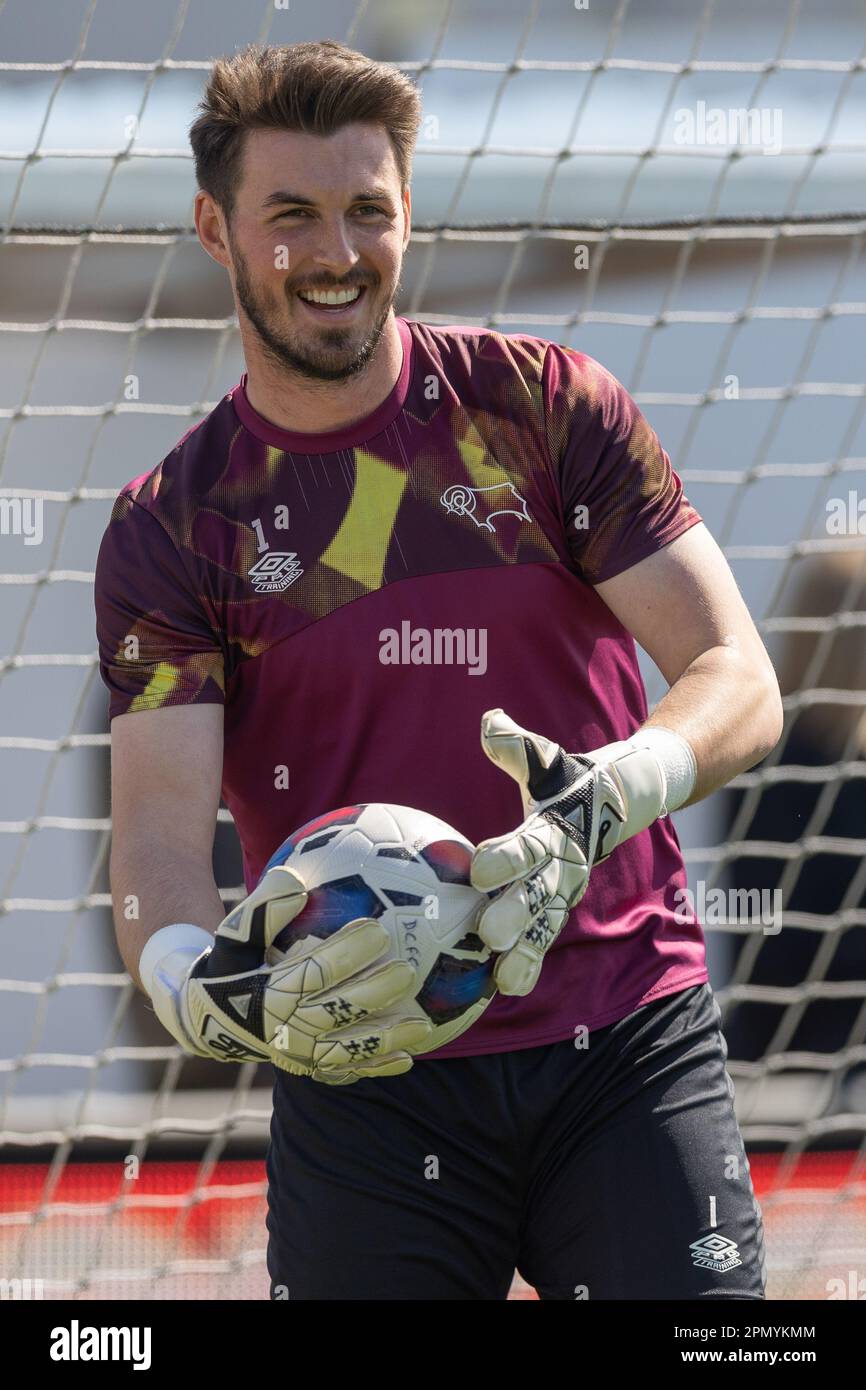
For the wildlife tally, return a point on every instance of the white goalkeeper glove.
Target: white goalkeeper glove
(578, 808)
(328, 1012)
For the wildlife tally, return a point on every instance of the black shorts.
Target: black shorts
(612, 1171)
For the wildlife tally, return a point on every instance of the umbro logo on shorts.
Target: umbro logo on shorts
(275, 571)
(715, 1252)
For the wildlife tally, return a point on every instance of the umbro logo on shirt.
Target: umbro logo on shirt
(275, 571)
(715, 1252)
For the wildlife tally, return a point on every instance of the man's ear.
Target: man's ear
(407, 210)
(209, 225)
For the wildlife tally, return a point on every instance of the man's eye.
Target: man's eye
(370, 207)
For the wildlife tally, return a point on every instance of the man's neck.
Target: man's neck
(297, 403)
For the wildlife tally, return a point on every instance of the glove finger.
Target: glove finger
(517, 751)
(542, 767)
(347, 1046)
(325, 963)
(501, 930)
(295, 999)
(280, 893)
(517, 971)
(506, 857)
(371, 993)
(390, 1025)
(244, 935)
(388, 1064)
(503, 920)
(393, 1065)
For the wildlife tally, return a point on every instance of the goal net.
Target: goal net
(679, 194)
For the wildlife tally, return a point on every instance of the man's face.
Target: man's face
(318, 213)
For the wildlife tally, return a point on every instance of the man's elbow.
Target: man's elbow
(767, 717)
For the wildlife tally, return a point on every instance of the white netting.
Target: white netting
(566, 184)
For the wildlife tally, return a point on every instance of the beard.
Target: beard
(335, 355)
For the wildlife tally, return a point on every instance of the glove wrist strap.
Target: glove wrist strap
(677, 762)
(657, 769)
(173, 949)
(165, 963)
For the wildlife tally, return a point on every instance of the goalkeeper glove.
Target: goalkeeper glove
(328, 1012)
(578, 808)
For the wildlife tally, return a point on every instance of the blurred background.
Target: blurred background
(571, 181)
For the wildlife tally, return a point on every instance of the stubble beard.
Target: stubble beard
(335, 358)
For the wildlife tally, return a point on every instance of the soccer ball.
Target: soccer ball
(411, 871)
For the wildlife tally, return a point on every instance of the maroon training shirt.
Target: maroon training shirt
(357, 599)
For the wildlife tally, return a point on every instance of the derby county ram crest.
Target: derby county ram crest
(482, 504)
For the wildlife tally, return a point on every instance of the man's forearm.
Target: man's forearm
(728, 708)
(154, 888)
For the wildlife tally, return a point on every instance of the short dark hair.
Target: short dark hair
(310, 87)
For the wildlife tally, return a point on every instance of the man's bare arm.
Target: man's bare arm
(166, 775)
(721, 715)
(682, 605)
(166, 770)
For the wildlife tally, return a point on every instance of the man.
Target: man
(365, 474)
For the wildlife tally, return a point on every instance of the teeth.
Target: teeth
(330, 296)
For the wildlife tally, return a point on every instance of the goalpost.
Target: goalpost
(683, 201)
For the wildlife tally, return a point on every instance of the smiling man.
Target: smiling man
(319, 332)
(370, 476)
